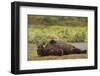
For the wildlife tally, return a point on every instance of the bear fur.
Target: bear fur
(56, 49)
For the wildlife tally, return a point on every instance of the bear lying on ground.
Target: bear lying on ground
(57, 49)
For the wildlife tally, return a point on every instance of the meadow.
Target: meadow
(63, 29)
(65, 34)
(62, 33)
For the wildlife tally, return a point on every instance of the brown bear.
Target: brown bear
(57, 49)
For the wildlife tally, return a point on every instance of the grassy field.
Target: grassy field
(64, 29)
(62, 33)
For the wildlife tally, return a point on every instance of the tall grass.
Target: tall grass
(37, 33)
(44, 33)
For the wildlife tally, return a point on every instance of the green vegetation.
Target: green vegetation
(61, 33)
(57, 20)
(60, 28)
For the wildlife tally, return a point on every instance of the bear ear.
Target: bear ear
(52, 42)
(44, 46)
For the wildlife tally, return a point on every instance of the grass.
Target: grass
(43, 33)
(64, 33)
(71, 56)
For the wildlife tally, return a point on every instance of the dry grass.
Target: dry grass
(71, 56)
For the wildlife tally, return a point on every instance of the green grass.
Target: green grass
(43, 33)
(64, 33)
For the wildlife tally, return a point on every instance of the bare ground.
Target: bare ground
(70, 56)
